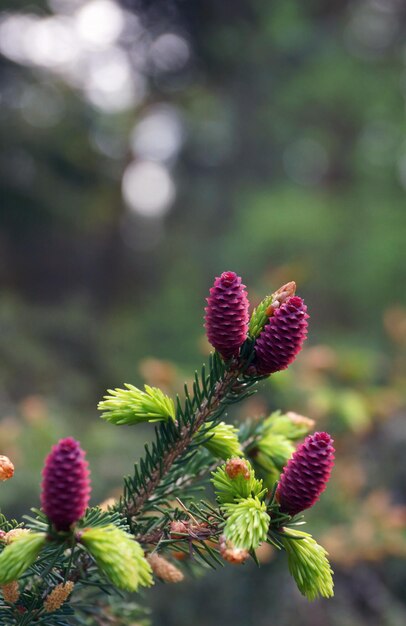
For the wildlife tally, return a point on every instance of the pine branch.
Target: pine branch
(209, 408)
(67, 545)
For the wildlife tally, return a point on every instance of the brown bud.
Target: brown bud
(230, 553)
(280, 296)
(199, 528)
(298, 419)
(178, 529)
(15, 534)
(237, 467)
(58, 596)
(6, 468)
(179, 556)
(164, 569)
(11, 592)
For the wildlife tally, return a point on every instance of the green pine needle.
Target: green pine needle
(228, 490)
(259, 317)
(132, 405)
(292, 426)
(19, 555)
(274, 451)
(308, 564)
(247, 523)
(223, 442)
(276, 443)
(119, 556)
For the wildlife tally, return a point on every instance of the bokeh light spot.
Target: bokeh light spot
(169, 52)
(100, 22)
(148, 189)
(159, 135)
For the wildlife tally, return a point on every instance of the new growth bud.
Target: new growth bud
(268, 306)
(308, 564)
(178, 529)
(19, 555)
(226, 318)
(235, 480)
(16, 533)
(165, 570)
(119, 556)
(66, 484)
(282, 294)
(223, 441)
(276, 444)
(299, 424)
(132, 406)
(6, 468)
(247, 522)
(305, 476)
(230, 553)
(237, 467)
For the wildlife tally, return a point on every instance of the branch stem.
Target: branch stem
(185, 437)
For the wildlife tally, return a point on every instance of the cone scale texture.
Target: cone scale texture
(226, 319)
(305, 476)
(66, 484)
(282, 337)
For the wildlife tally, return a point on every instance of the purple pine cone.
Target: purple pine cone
(227, 314)
(305, 476)
(66, 484)
(282, 337)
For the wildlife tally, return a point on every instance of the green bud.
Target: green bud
(223, 441)
(19, 555)
(308, 564)
(231, 486)
(247, 523)
(132, 405)
(119, 556)
(274, 451)
(276, 444)
(259, 317)
(291, 425)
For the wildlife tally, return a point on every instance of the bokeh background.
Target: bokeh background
(146, 146)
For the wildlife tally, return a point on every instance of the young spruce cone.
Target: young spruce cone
(282, 337)
(227, 314)
(66, 484)
(305, 476)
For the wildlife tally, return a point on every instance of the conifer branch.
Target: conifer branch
(67, 546)
(211, 406)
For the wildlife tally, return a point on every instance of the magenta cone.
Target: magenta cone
(305, 476)
(227, 314)
(66, 484)
(282, 337)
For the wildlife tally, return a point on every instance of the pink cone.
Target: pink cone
(66, 484)
(227, 314)
(305, 476)
(282, 337)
